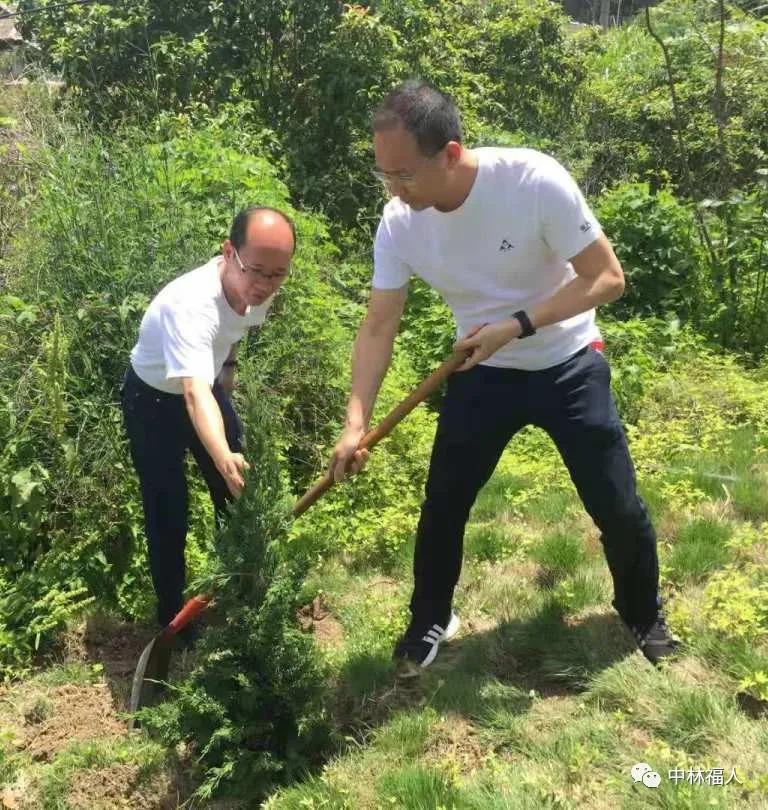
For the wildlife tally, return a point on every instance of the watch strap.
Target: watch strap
(525, 323)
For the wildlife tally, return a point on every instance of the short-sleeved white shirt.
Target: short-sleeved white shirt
(188, 330)
(504, 249)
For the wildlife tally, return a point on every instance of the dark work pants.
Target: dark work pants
(160, 433)
(483, 408)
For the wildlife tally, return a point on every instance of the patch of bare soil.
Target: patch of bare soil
(752, 706)
(116, 645)
(119, 787)
(74, 714)
(317, 618)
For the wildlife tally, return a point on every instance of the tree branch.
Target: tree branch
(703, 230)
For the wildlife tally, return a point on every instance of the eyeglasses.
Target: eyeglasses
(398, 178)
(257, 271)
(403, 178)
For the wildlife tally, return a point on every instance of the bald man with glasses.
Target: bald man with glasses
(176, 391)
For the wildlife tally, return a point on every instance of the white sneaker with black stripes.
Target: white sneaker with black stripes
(417, 649)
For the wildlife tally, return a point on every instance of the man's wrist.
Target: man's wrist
(514, 328)
(221, 457)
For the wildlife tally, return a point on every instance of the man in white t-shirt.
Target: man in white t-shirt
(175, 396)
(507, 238)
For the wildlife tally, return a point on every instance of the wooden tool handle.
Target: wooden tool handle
(385, 427)
(197, 604)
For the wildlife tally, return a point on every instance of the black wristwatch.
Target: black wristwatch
(525, 323)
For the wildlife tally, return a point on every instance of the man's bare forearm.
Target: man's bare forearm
(579, 295)
(205, 415)
(370, 360)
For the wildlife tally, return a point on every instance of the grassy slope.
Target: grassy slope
(542, 700)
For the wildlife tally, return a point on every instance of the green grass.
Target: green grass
(587, 587)
(551, 507)
(653, 497)
(750, 497)
(10, 761)
(481, 698)
(692, 719)
(542, 701)
(732, 474)
(489, 542)
(550, 699)
(56, 780)
(496, 496)
(560, 554)
(406, 734)
(734, 656)
(72, 672)
(699, 548)
(416, 787)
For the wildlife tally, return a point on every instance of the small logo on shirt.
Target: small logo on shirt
(505, 246)
(585, 226)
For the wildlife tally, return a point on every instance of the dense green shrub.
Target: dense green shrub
(250, 709)
(114, 220)
(738, 277)
(628, 110)
(137, 60)
(656, 240)
(428, 329)
(639, 351)
(313, 73)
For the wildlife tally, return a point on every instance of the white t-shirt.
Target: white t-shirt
(188, 330)
(504, 249)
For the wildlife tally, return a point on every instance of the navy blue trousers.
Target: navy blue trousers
(160, 433)
(482, 410)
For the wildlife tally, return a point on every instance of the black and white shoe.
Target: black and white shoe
(417, 649)
(656, 642)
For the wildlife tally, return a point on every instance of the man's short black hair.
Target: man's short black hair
(429, 115)
(240, 224)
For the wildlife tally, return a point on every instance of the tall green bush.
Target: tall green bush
(251, 708)
(115, 219)
(371, 518)
(656, 240)
(626, 111)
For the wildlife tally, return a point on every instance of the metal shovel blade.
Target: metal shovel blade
(152, 670)
(151, 674)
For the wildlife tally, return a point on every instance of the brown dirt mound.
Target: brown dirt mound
(317, 617)
(113, 643)
(77, 714)
(118, 788)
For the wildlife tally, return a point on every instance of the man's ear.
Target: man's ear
(226, 248)
(452, 152)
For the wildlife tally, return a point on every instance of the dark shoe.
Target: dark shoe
(656, 642)
(417, 649)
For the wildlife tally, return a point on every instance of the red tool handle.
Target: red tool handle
(192, 608)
